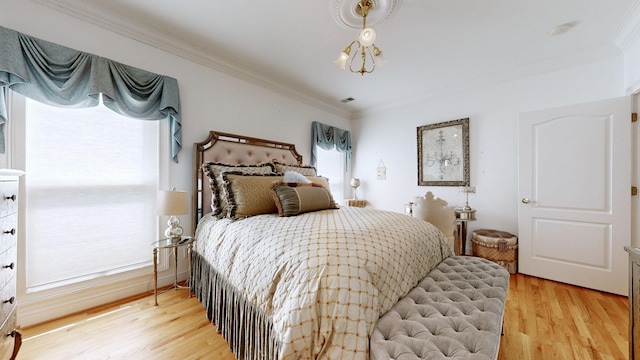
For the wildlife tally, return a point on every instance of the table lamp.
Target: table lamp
(172, 203)
(354, 184)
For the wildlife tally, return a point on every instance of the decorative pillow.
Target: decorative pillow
(306, 170)
(249, 194)
(296, 198)
(214, 170)
(324, 182)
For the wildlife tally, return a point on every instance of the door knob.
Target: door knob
(527, 201)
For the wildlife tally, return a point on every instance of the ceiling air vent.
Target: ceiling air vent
(346, 100)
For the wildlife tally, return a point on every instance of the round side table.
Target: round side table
(172, 244)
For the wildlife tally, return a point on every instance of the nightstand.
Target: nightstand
(356, 203)
(172, 244)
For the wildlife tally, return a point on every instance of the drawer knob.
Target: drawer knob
(12, 197)
(12, 231)
(10, 266)
(10, 301)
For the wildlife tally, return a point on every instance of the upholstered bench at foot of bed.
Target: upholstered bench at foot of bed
(456, 312)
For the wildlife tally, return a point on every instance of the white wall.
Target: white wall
(493, 113)
(210, 99)
(632, 67)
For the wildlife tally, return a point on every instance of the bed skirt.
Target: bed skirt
(246, 328)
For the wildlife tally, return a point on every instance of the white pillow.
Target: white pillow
(295, 177)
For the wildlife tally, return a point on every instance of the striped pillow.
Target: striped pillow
(296, 198)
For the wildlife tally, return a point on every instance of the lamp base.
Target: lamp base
(173, 230)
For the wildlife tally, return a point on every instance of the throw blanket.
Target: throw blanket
(324, 278)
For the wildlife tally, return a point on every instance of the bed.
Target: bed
(305, 285)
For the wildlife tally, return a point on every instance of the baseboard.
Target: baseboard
(39, 311)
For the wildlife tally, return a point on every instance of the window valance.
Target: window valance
(329, 137)
(60, 76)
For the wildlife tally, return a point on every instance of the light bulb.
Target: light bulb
(367, 37)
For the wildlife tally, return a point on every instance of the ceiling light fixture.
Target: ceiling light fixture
(364, 47)
(563, 29)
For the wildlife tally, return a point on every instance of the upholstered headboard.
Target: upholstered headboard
(234, 150)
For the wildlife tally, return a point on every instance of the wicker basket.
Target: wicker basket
(498, 246)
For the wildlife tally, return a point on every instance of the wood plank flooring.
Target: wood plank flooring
(544, 320)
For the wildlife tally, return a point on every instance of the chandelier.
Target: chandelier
(445, 162)
(365, 52)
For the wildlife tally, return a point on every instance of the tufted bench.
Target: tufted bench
(454, 313)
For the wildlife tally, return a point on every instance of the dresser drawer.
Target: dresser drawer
(8, 266)
(7, 342)
(8, 298)
(8, 232)
(8, 197)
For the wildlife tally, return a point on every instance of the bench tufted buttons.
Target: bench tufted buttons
(446, 316)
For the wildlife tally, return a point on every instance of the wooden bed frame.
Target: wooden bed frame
(234, 150)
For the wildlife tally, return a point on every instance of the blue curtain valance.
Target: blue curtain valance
(329, 137)
(60, 76)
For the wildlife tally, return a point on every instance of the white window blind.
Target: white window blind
(331, 165)
(90, 193)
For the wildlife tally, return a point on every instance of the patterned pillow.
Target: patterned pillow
(296, 198)
(306, 170)
(214, 170)
(249, 194)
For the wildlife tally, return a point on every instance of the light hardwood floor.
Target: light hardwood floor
(544, 320)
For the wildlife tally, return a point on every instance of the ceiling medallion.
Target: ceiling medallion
(346, 12)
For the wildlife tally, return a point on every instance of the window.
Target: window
(331, 165)
(92, 179)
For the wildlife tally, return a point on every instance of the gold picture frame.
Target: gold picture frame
(443, 154)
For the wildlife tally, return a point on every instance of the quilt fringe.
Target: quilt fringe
(246, 328)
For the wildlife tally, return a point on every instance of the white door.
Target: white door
(574, 212)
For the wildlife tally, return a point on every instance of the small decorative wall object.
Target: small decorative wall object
(382, 171)
(443, 154)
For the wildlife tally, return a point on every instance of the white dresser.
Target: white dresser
(11, 340)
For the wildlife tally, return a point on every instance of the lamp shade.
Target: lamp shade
(341, 61)
(171, 203)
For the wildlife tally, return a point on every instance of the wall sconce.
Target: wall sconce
(172, 203)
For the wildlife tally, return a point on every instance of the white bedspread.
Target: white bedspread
(323, 277)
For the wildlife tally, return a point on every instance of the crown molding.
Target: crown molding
(158, 38)
(627, 32)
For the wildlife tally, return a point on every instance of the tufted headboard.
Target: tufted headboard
(234, 150)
